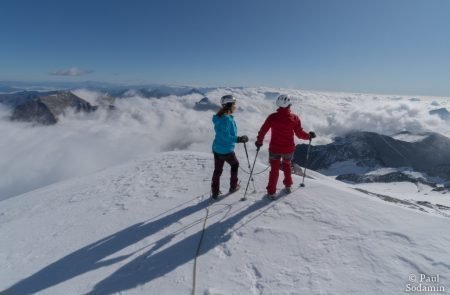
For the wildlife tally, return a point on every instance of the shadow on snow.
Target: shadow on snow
(150, 266)
(144, 268)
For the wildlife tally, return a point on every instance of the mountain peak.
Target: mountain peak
(371, 150)
(45, 108)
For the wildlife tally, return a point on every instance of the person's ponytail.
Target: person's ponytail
(225, 109)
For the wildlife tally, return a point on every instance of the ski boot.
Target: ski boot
(233, 190)
(215, 196)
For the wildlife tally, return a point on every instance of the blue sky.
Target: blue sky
(382, 46)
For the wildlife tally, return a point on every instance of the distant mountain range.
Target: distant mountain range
(9, 89)
(14, 96)
(10, 86)
(353, 156)
(45, 107)
(116, 90)
(155, 92)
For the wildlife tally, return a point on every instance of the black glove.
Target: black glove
(242, 139)
(312, 135)
(258, 145)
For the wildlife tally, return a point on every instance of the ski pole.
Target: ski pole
(249, 167)
(251, 173)
(306, 163)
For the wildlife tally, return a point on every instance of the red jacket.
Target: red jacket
(284, 125)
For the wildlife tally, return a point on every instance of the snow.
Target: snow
(408, 191)
(135, 228)
(410, 137)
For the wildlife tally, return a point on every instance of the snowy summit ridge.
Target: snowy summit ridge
(135, 229)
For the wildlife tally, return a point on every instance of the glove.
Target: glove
(312, 135)
(258, 145)
(242, 139)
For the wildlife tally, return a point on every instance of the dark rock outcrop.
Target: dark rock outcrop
(443, 113)
(431, 155)
(45, 110)
(206, 105)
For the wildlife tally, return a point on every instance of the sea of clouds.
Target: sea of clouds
(80, 144)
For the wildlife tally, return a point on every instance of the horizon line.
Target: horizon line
(152, 84)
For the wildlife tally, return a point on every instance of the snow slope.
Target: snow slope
(135, 229)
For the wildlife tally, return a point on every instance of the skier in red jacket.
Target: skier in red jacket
(284, 124)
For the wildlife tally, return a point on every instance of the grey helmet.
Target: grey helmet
(283, 101)
(226, 99)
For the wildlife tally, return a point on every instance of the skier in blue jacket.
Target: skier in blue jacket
(224, 144)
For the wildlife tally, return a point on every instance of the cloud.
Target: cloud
(72, 72)
(81, 144)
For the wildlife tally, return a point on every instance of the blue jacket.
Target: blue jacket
(226, 134)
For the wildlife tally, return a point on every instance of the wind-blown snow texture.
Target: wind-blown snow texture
(135, 229)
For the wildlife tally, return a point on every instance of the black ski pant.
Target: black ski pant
(219, 160)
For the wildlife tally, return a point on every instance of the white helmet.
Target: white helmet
(283, 101)
(227, 99)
